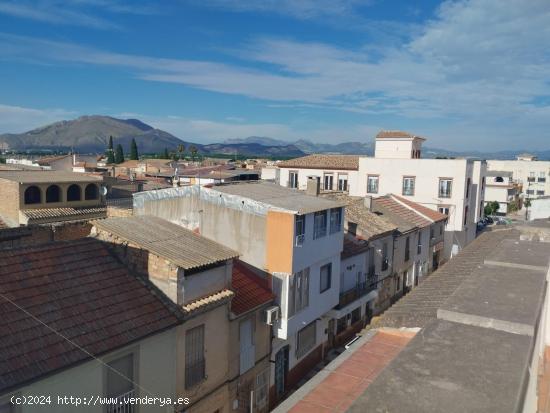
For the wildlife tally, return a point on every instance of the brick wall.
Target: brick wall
(9, 205)
(40, 234)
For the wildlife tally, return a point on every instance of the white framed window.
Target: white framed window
(372, 184)
(328, 182)
(408, 185)
(262, 386)
(343, 182)
(293, 179)
(539, 192)
(298, 292)
(530, 192)
(305, 339)
(120, 382)
(300, 229)
(445, 187)
(335, 220)
(195, 363)
(325, 277)
(443, 210)
(320, 224)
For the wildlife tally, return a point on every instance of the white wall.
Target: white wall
(521, 170)
(304, 173)
(540, 209)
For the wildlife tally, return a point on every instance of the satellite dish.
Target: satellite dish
(103, 190)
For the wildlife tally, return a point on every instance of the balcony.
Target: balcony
(385, 264)
(357, 292)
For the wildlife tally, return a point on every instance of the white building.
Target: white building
(295, 238)
(501, 188)
(454, 187)
(531, 174)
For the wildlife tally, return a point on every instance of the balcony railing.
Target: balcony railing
(120, 404)
(357, 292)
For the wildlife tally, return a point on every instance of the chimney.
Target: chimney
(368, 202)
(312, 186)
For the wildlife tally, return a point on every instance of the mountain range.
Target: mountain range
(90, 134)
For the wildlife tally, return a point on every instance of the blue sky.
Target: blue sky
(465, 74)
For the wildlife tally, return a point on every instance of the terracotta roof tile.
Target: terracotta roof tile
(78, 289)
(251, 290)
(207, 302)
(405, 213)
(421, 209)
(318, 161)
(393, 134)
(353, 246)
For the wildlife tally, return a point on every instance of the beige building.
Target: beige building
(501, 188)
(37, 197)
(78, 323)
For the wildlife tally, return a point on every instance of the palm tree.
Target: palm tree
(193, 149)
(181, 150)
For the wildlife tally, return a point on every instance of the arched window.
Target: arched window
(91, 192)
(53, 194)
(499, 179)
(33, 195)
(73, 193)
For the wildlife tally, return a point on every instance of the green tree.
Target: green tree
(491, 208)
(119, 154)
(181, 150)
(110, 153)
(134, 150)
(165, 155)
(193, 149)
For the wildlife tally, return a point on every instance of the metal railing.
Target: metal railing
(194, 373)
(120, 404)
(357, 292)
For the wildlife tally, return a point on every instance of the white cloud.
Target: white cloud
(16, 119)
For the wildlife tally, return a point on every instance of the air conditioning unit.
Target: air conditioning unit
(271, 315)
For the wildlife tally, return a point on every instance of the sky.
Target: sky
(467, 75)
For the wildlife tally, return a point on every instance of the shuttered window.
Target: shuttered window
(194, 356)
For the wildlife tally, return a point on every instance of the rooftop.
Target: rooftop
(179, 245)
(405, 213)
(370, 224)
(397, 134)
(37, 177)
(71, 291)
(318, 161)
(499, 173)
(47, 215)
(251, 291)
(279, 196)
(353, 246)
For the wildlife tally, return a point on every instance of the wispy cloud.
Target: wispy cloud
(75, 13)
(16, 119)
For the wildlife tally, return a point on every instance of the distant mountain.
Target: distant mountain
(90, 134)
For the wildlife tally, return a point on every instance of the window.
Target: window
(326, 275)
(431, 233)
(305, 339)
(499, 179)
(262, 388)
(53, 194)
(540, 192)
(531, 177)
(530, 192)
(298, 297)
(398, 283)
(328, 181)
(342, 182)
(73, 193)
(247, 354)
(419, 244)
(443, 210)
(408, 186)
(441, 229)
(468, 184)
(385, 256)
(445, 188)
(352, 228)
(466, 215)
(372, 184)
(341, 325)
(195, 364)
(335, 220)
(293, 179)
(120, 377)
(33, 195)
(407, 248)
(320, 224)
(300, 229)
(356, 315)
(483, 184)
(542, 177)
(91, 192)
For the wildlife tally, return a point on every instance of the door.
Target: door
(281, 371)
(247, 348)
(331, 335)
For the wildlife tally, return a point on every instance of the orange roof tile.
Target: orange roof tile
(251, 291)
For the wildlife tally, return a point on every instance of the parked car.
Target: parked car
(489, 220)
